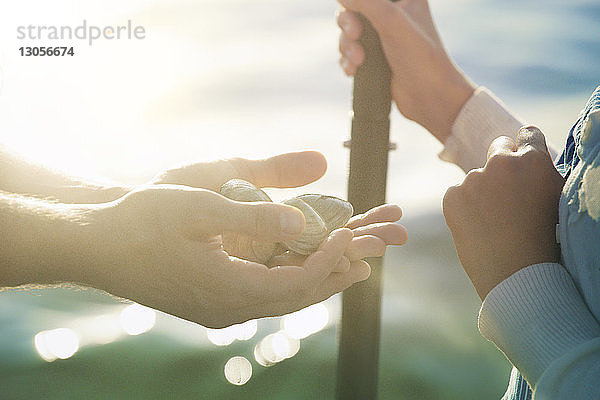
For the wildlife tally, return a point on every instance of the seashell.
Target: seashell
(315, 230)
(323, 214)
(239, 245)
(240, 190)
(333, 211)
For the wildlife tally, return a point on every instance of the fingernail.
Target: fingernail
(291, 223)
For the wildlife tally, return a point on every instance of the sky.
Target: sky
(216, 79)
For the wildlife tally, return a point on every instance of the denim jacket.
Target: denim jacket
(578, 232)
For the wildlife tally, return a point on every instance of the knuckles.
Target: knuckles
(502, 164)
(532, 156)
(450, 202)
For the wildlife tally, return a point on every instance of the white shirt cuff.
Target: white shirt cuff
(535, 317)
(481, 120)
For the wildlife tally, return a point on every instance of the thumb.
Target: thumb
(263, 221)
(532, 136)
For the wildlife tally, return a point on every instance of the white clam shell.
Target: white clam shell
(240, 190)
(333, 211)
(237, 244)
(315, 230)
(323, 214)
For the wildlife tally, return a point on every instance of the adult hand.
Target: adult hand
(282, 171)
(427, 86)
(373, 231)
(503, 216)
(160, 246)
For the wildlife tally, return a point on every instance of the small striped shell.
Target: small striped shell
(240, 190)
(323, 214)
(237, 244)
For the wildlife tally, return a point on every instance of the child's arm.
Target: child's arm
(482, 119)
(503, 219)
(539, 320)
(427, 86)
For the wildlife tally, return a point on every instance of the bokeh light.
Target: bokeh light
(306, 322)
(226, 336)
(136, 319)
(42, 348)
(238, 370)
(284, 346)
(57, 343)
(247, 330)
(221, 337)
(275, 348)
(102, 329)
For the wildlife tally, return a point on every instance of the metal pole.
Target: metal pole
(369, 147)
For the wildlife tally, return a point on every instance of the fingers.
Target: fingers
(291, 258)
(531, 136)
(528, 138)
(343, 265)
(350, 24)
(501, 145)
(283, 289)
(322, 262)
(211, 213)
(383, 213)
(352, 53)
(364, 247)
(292, 284)
(335, 283)
(282, 171)
(390, 233)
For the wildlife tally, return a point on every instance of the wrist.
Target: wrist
(496, 273)
(456, 89)
(449, 91)
(100, 248)
(44, 242)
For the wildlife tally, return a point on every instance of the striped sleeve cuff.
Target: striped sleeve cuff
(482, 119)
(535, 317)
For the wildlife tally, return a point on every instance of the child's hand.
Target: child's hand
(423, 76)
(503, 216)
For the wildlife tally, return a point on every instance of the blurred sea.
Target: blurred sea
(254, 78)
